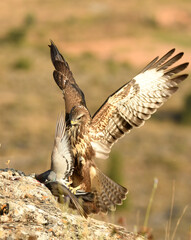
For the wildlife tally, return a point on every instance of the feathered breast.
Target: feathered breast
(80, 143)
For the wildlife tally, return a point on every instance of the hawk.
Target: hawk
(128, 107)
(73, 96)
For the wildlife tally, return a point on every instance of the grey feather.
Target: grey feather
(61, 159)
(46, 176)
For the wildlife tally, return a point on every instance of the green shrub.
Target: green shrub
(186, 113)
(22, 64)
(18, 35)
(29, 21)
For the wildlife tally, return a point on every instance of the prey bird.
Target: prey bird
(57, 178)
(128, 107)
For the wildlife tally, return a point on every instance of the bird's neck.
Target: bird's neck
(79, 131)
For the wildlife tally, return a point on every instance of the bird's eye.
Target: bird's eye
(79, 117)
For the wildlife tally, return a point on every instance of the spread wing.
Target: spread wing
(60, 65)
(61, 159)
(135, 102)
(63, 76)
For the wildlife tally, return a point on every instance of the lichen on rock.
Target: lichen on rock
(28, 210)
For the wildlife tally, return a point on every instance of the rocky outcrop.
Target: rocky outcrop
(29, 211)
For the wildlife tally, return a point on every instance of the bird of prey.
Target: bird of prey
(128, 107)
(73, 96)
(57, 178)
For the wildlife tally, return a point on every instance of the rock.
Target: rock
(29, 211)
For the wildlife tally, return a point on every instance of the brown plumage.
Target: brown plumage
(86, 175)
(128, 107)
(135, 102)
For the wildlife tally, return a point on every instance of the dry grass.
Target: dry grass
(106, 43)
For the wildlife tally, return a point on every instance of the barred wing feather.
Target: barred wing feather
(135, 102)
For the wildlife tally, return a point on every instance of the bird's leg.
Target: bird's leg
(68, 183)
(75, 189)
(80, 160)
(72, 189)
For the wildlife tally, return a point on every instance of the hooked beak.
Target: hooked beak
(73, 122)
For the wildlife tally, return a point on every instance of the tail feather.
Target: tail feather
(110, 195)
(59, 190)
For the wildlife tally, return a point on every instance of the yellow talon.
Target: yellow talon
(74, 190)
(68, 184)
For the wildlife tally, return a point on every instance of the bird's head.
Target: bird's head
(78, 115)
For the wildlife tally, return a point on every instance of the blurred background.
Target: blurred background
(106, 43)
